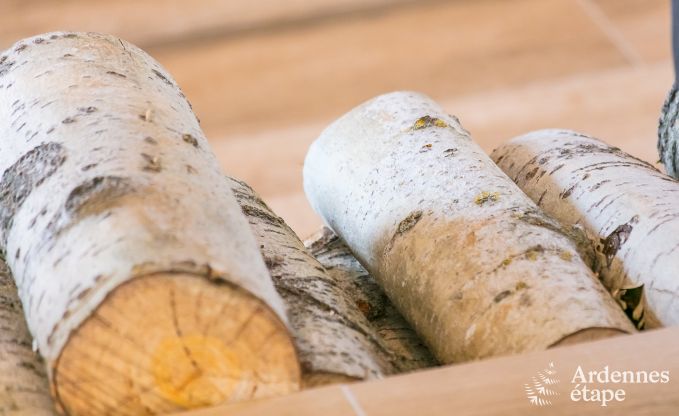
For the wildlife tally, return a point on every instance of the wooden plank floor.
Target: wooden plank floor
(266, 77)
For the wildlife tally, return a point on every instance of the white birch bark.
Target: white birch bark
(120, 230)
(627, 207)
(469, 260)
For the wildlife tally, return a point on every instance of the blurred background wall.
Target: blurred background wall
(266, 76)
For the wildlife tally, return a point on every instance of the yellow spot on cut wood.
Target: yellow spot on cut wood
(149, 350)
(428, 121)
(566, 255)
(189, 371)
(520, 285)
(485, 196)
(506, 262)
(532, 255)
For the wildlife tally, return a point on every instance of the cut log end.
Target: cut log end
(167, 342)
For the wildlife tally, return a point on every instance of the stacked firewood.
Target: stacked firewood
(152, 283)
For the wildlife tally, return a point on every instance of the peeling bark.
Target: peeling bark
(335, 340)
(627, 208)
(23, 380)
(101, 219)
(444, 236)
(407, 351)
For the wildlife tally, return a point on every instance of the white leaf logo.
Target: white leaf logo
(538, 391)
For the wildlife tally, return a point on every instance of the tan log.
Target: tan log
(469, 260)
(408, 352)
(23, 380)
(140, 278)
(629, 211)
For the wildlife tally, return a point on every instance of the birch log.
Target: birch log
(468, 259)
(407, 350)
(140, 278)
(334, 341)
(627, 207)
(334, 338)
(23, 380)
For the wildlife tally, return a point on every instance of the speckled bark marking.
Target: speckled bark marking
(616, 239)
(190, 139)
(409, 222)
(91, 197)
(19, 180)
(624, 206)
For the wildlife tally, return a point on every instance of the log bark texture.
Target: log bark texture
(334, 337)
(408, 352)
(469, 260)
(668, 133)
(23, 380)
(626, 206)
(140, 278)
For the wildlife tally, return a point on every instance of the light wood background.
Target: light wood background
(266, 76)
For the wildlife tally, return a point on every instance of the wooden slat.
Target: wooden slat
(152, 22)
(328, 401)
(496, 386)
(314, 72)
(645, 24)
(620, 106)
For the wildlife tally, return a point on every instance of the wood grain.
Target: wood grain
(183, 355)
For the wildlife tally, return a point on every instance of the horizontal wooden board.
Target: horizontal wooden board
(284, 78)
(496, 386)
(156, 22)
